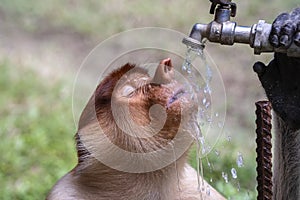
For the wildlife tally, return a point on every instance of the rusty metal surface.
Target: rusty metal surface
(264, 150)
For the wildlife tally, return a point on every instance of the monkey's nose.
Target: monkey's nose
(164, 73)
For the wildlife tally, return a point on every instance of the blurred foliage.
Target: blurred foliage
(93, 18)
(36, 134)
(102, 18)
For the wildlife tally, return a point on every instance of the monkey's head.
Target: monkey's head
(137, 112)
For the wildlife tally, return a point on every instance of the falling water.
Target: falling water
(225, 176)
(208, 190)
(202, 92)
(240, 160)
(233, 173)
(201, 87)
(191, 55)
(203, 116)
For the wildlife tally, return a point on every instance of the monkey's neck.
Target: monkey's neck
(286, 162)
(104, 180)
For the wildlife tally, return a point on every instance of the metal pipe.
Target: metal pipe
(242, 34)
(226, 32)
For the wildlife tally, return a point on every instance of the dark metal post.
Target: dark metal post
(264, 150)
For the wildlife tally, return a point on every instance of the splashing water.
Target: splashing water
(240, 160)
(228, 138)
(233, 173)
(206, 118)
(225, 176)
(191, 55)
(203, 116)
(208, 190)
(198, 136)
(198, 85)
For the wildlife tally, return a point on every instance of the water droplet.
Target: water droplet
(189, 70)
(233, 173)
(202, 140)
(225, 177)
(190, 57)
(208, 119)
(240, 160)
(217, 114)
(207, 90)
(211, 180)
(208, 190)
(208, 148)
(207, 105)
(217, 152)
(203, 150)
(208, 72)
(204, 101)
(229, 138)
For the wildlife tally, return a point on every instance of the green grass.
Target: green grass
(36, 134)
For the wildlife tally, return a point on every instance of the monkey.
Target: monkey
(132, 112)
(281, 82)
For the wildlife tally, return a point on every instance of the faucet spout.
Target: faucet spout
(198, 31)
(194, 40)
(224, 31)
(220, 30)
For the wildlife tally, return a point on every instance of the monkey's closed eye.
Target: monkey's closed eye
(127, 91)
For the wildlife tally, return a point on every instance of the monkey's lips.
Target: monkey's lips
(180, 93)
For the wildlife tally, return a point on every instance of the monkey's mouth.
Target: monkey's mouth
(176, 96)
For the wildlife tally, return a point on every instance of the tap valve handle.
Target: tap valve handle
(227, 4)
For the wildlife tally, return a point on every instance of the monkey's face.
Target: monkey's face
(144, 107)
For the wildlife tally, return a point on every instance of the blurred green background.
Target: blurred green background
(42, 44)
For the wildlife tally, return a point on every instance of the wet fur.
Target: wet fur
(286, 162)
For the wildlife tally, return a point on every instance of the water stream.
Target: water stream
(203, 80)
(202, 87)
(197, 70)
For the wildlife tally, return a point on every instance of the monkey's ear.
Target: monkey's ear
(106, 87)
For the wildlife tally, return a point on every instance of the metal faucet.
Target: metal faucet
(222, 30)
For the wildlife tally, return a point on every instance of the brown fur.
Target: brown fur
(156, 107)
(286, 161)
